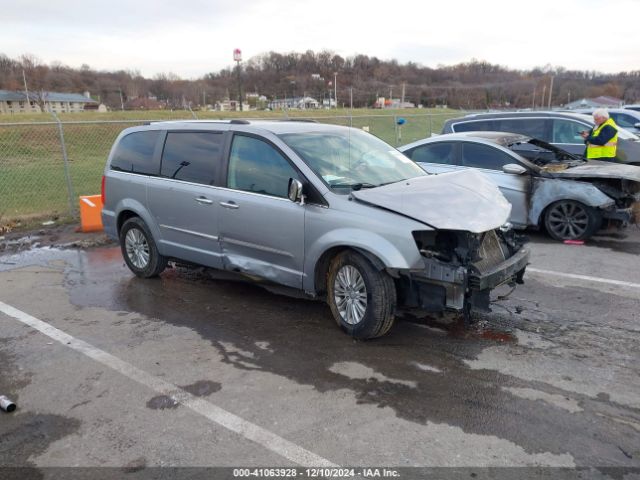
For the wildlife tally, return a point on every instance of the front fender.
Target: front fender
(402, 254)
(549, 190)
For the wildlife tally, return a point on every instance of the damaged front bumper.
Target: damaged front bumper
(440, 286)
(625, 216)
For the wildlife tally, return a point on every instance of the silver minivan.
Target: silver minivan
(332, 211)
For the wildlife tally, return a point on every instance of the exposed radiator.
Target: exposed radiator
(491, 252)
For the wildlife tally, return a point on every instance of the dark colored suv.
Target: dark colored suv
(561, 129)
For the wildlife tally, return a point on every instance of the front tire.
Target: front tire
(139, 249)
(362, 299)
(571, 220)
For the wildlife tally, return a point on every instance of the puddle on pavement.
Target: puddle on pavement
(456, 328)
(632, 248)
(162, 402)
(43, 256)
(201, 388)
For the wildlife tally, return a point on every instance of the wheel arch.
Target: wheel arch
(551, 191)
(323, 263)
(128, 208)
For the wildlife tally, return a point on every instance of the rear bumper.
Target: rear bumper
(109, 224)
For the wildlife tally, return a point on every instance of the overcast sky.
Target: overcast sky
(194, 37)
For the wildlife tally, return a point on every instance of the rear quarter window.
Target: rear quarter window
(433, 153)
(532, 127)
(134, 153)
(192, 156)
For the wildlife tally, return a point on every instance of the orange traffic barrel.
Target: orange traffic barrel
(91, 213)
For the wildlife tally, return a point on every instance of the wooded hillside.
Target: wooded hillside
(472, 85)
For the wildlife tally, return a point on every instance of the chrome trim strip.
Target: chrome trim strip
(256, 247)
(191, 232)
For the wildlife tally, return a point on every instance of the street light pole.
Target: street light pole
(335, 89)
(237, 56)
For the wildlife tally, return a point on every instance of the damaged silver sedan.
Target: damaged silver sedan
(329, 210)
(549, 188)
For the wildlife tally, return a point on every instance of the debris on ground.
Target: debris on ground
(6, 404)
(56, 236)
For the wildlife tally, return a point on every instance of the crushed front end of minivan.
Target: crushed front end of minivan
(468, 248)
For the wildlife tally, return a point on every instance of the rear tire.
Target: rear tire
(571, 220)
(139, 249)
(362, 299)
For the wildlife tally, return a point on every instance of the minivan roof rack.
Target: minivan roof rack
(239, 122)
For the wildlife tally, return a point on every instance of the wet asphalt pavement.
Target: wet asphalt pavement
(550, 378)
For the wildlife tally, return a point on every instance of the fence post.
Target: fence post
(395, 126)
(66, 166)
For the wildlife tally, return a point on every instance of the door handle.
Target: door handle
(203, 200)
(230, 204)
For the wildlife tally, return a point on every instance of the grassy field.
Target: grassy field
(32, 174)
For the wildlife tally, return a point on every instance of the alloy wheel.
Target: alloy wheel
(137, 248)
(568, 220)
(350, 294)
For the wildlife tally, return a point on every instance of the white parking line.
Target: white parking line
(216, 414)
(583, 277)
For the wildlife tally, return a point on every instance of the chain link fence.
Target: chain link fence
(45, 166)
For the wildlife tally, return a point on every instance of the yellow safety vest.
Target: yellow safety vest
(608, 150)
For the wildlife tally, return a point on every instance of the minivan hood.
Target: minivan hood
(597, 169)
(465, 200)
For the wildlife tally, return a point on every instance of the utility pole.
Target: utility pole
(121, 99)
(402, 98)
(237, 56)
(544, 89)
(351, 106)
(550, 91)
(335, 88)
(533, 99)
(26, 91)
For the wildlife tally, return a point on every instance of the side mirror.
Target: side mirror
(295, 191)
(637, 125)
(514, 169)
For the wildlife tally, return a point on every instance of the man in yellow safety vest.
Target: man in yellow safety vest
(602, 140)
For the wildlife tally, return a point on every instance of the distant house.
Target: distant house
(300, 103)
(17, 102)
(329, 103)
(231, 106)
(598, 102)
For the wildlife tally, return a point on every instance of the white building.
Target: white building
(301, 103)
(17, 102)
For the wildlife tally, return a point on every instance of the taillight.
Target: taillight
(102, 193)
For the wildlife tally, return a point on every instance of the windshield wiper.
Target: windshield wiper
(354, 186)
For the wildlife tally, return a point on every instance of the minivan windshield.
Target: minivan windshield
(351, 159)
